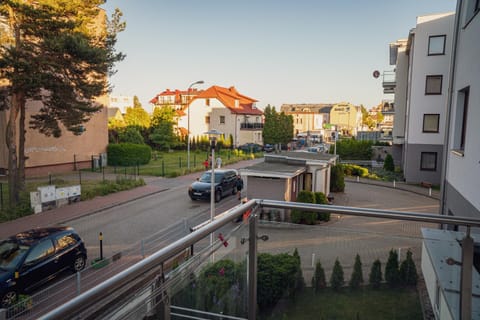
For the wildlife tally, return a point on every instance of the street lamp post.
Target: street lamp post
(188, 122)
(212, 134)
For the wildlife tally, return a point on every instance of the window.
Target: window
(207, 119)
(430, 123)
(64, 241)
(472, 8)
(461, 116)
(433, 84)
(436, 45)
(222, 119)
(428, 161)
(41, 250)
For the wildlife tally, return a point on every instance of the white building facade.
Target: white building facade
(429, 53)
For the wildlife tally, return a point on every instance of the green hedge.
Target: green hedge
(128, 154)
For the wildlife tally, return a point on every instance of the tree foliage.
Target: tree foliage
(278, 127)
(319, 281)
(392, 273)
(375, 277)
(162, 132)
(277, 275)
(357, 275)
(337, 179)
(137, 116)
(337, 277)
(388, 163)
(59, 53)
(408, 271)
(130, 135)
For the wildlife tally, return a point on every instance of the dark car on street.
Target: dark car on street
(32, 258)
(225, 183)
(250, 148)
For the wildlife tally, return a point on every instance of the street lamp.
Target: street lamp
(188, 122)
(212, 134)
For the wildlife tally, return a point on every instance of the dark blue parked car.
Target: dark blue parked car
(34, 257)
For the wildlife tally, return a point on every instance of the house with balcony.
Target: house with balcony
(176, 99)
(226, 110)
(420, 84)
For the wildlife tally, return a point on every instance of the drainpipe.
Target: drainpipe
(450, 94)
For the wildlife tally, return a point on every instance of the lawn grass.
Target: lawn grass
(365, 303)
(175, 163)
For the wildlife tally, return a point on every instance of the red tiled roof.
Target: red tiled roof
(228, 96)
(177, 93)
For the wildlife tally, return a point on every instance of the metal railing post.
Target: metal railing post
(252, 266)
(466, 277)
(79, 283)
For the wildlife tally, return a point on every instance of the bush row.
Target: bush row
(396, 275)
(128, 154)
(309, 217)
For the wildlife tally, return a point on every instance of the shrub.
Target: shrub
(375, 278)
(392, 274)
(128, 154)
(318, 280)
(354, 149)
(305, 217)
(276, 276)
(388, 164)
(357, 275)
(408, 271)
(337, 179)
(299, 280)
(355, 170)
(321, 198)
(130, 135)
(337, 279)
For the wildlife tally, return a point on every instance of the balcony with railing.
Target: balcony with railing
(354, 263)
(389, 82)
(251, 126)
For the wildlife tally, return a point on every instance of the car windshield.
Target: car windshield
(206, 177)
(10, 254)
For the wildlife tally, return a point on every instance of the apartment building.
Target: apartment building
(420, 86)
(308, 118)
(347, 118)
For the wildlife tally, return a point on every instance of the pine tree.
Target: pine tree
(392, 274)
(357, 275)
(337, 279)
(388, 164)
(375, 278)
(318, 280)
(408, 271)
(58, 53)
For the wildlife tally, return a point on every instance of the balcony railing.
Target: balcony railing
(389, 82)
(254, 125)
(201, 286)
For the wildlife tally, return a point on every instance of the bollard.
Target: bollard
(79, 283)
(80, 176)
(394, 183)
(313, 260)
(358, 178)
(429, 192)
(49, 178)
(100, 238)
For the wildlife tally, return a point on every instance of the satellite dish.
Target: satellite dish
(376, 74)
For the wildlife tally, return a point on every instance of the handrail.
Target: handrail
(93, 295)
(374, 213)
(102, 290)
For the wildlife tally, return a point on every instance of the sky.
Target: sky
(275, 51)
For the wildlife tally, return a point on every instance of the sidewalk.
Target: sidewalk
(428, 192)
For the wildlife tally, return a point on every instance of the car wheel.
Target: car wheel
(218, 196)
(79, 263)
(8, 299)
